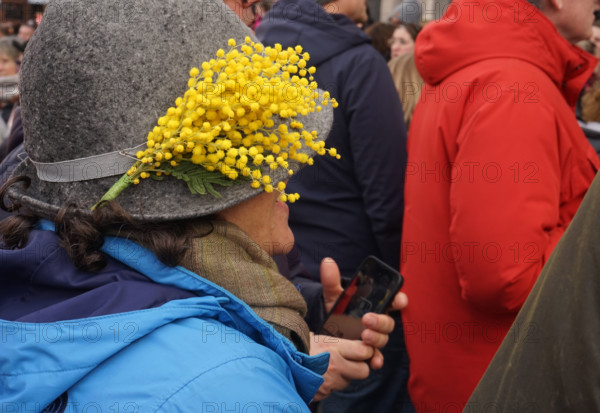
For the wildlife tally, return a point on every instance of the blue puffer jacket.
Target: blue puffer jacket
(351, 207)
(167, 340)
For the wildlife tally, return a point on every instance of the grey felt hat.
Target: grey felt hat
(95, 78)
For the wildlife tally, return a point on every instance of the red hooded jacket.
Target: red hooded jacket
(497, 167)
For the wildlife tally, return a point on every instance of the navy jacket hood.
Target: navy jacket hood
(40, 284)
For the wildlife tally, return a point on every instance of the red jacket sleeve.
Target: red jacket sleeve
(505, 206)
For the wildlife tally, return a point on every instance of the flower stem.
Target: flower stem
(117, 188)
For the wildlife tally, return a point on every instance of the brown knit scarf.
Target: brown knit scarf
(230, 259)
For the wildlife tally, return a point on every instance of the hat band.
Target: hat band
(88, 168)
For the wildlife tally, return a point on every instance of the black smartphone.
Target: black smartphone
(372, 289)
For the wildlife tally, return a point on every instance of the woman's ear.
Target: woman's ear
(554, 4)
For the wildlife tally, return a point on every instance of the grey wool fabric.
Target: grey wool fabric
(95, 78)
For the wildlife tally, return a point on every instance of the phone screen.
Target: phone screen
(372, 289)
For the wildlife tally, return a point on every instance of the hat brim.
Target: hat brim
(153, 201)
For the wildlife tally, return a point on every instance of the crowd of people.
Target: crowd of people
(183, 202)
(13, 40)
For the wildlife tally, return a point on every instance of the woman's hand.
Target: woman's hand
(347, 361)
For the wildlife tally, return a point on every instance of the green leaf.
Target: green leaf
(198, 186)
(212, 191)
(201, 181)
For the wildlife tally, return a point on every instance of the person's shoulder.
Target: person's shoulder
(365, 54)
(506, 71)
(190, 360)
(209, 336)
(361, 61)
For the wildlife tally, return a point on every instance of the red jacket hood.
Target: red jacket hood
(471, 31)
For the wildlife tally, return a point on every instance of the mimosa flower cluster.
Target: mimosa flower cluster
(241, 113)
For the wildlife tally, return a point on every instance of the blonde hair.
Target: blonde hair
(590, 103)
(7, 48)
(408, 82)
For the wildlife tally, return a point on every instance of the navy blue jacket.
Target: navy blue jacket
(352, 207)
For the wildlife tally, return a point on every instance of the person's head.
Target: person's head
(25, 32)
(403, 39)
(265, 219)
(227, 147)
(408, 11)
(9, 55)
(408, 82)
(243, 9)
(573, 19)
(595, 39)
(380, 34)
(355, 10)
(7, 29)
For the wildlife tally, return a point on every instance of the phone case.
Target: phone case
(372, 289)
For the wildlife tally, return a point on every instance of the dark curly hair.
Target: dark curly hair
(82, 235)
